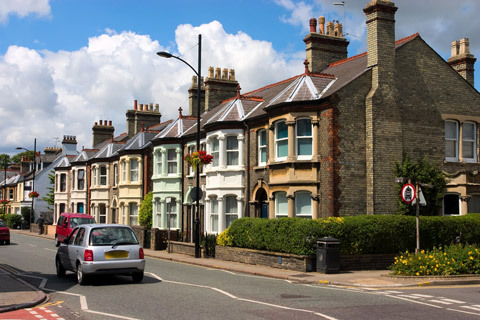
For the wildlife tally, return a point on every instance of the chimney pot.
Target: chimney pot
(464, 46)
(321, 25)
(151, 106)
(156, 107)
(232, 75)
(210, 72)
(135, 104)
(313, 25)
(225, 74)
(101, 122)
(110, 123)
(96, 123)
(218, 73)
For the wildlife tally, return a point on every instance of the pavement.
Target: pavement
(16, 293)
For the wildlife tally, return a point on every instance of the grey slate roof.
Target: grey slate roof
(108, 151)
(84, 156)
(139, 141)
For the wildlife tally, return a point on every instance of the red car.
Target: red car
(67, 222)
(4, 233)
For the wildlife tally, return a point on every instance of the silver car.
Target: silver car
(101, 249)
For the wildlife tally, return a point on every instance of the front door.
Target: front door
(264, 213)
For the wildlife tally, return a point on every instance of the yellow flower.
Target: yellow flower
(471, 258)
(417, 274)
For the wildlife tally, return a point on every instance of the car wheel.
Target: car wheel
(81, 277)
(57, 243)
(137, 276)
(60, 269)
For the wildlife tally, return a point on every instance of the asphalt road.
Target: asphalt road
(173, 290)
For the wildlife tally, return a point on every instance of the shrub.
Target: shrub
(452, 260)
(146, 210)
(363, 234)
(13, 220)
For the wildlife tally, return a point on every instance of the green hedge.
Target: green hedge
(13, 220)
(357, 234)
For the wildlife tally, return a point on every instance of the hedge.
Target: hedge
(13, 220)
(363, 234)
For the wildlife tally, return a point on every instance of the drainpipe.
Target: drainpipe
(247, 193)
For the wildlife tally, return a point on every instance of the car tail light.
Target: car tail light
(141, 255)
(88, 255)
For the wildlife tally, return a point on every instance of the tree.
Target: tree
(4, 160)
(427, 172)
(18, 157)
(146, 210)
(49, 198)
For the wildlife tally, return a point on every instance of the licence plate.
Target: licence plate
(116, 254)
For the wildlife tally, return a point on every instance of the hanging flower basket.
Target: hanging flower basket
(33, 194)
(3, 201)
(198, 159)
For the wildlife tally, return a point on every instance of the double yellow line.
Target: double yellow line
(10, 269)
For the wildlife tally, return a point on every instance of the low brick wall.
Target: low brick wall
(366, 262)
(302, 263)
(187, 248)
(266, 258)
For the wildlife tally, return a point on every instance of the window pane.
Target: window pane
(305, 147)
(229, 219)
(214, 222)
(303, 203)
(304, 127)
(232, 143)
(468, 131)
(282, 130)
(281, 204)
(172, 167)
(214, 205)
(263, 155)
(282, 148)
(172, 154)
(450, 130)
(232, 158)
(263, 137)
(468, 150)
(231, 204)
(450, 148)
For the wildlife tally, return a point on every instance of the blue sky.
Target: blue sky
(65, 64)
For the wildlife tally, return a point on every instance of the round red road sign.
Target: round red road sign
(408, 193)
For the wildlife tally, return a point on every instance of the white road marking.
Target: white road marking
(453, 301)
(440, 301)
(474, 307)
(50, 249)
(421, 295)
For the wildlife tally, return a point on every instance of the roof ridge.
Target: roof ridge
(273, 84)
(399, 41)
(336, 63)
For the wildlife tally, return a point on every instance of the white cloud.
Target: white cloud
(50, 94)
(23, 8)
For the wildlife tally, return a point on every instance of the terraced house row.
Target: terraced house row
(319, 144)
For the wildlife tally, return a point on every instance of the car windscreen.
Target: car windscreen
(2, 224)
(74, 221)
(110, 236)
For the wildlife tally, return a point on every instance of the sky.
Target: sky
(66, 64)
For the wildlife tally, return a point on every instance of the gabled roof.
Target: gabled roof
(108, 151)
(84, 156)
(65, 161)
(139, 141)
(12, 180)
(177, 127)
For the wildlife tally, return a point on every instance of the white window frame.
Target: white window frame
(103, 176)
(133, 213)
(277, 198)
(115, 175)
(134, 170)
(215, 152)
(171, 213)
(214, 214)
(158, 162)
(230, 215)
(469, 140)
(73, 184)
(280, 140)
(450, 139)
(232, 152)
(190, 149)
(298, 138)
(262, 148)
(124, 171)
(173, 161)
(81, 178)
(298, 197)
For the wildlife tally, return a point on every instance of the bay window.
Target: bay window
(133, 170)
(172, 161)
(451, 140)
(133, 214)
(103, 175)
(303, 205)
(215, 152)
(214, 214)
(231, 210)
(468, 141)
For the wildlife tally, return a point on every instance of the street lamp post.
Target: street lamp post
(164, 54)
(33, 178)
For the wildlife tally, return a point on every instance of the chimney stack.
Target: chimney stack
(219, 87)
(325, 45)
(101, 132)
(141, 116)
(383, 118)
(69, 145)
(192, 97)
(461, 60)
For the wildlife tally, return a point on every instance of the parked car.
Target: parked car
(4, 233)
(101, 249)
(67, 222)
